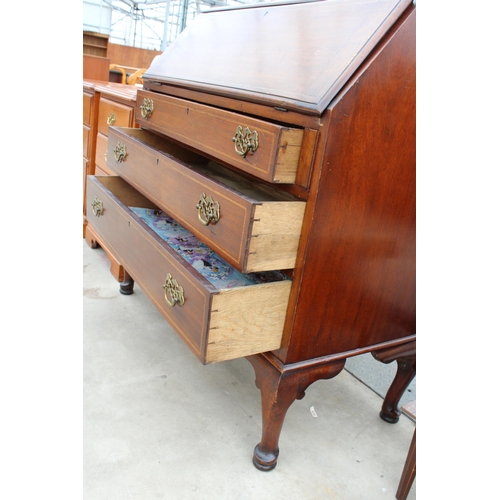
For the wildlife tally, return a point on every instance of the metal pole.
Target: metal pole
(184, 15)
(165, 27)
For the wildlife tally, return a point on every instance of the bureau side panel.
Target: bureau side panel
(358, 281)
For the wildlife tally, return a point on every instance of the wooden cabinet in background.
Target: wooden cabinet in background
(116, 108)
(95, 44)
(90, 108)
(104, 104)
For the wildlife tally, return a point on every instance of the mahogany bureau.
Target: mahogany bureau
(266, 205)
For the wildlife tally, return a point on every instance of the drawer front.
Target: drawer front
(114, 113)
(215, 324)
(101, 154)
(87, 108)
(258, 234)
(265, 150)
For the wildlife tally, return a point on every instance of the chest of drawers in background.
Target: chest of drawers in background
(104, 104)
(289, 151)
(89, 137)
(116, 108)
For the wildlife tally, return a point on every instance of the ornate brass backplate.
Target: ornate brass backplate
(97, 208)
(120, 152)
(146, 108)
(174, 293)
(245, 141)
(208, 210)
(111, 119)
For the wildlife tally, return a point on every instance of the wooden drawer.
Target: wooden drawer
(87, 108)
(216, 323)
(213, 131)
(257, 226)
(101, 153)
(113, 113)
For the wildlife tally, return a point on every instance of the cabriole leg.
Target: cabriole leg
(279, 388)
(405, 356)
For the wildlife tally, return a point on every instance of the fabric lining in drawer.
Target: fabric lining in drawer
(210, 265)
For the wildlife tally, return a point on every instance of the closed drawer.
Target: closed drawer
(216, 322)
(266, 150)
(87, 108)
(113, 113)
(252, 225)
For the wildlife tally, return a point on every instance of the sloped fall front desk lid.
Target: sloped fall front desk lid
(291, 55)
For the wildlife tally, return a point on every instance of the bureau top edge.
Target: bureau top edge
(295, 56)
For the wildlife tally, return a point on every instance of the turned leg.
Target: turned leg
(279, 388)
(127, 285)
(405, 355)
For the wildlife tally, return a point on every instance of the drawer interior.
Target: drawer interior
(199, 256)
(204, 260)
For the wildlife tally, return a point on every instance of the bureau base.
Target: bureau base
(280, 385)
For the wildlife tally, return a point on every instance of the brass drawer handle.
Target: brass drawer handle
(146, 108)
(111, 119)
(174, 293)
(120, 152)
(97, 208)
(245, 141)
(208, 210)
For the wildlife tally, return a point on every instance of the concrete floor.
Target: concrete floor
(159, 425)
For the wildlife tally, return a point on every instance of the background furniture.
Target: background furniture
(128, 75)
(134, 57)
(95, 44)
(104, 104)
(105, 61)
(116, 107)
(312, 128)
(136, 77)
(95, 68)
(90, 109)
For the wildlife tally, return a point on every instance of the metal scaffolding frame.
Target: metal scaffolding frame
(153, 24)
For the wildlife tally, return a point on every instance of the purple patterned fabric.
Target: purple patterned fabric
(205, 261)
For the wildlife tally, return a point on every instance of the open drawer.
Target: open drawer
(264, 149)
(252, 225)
(218, 312)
